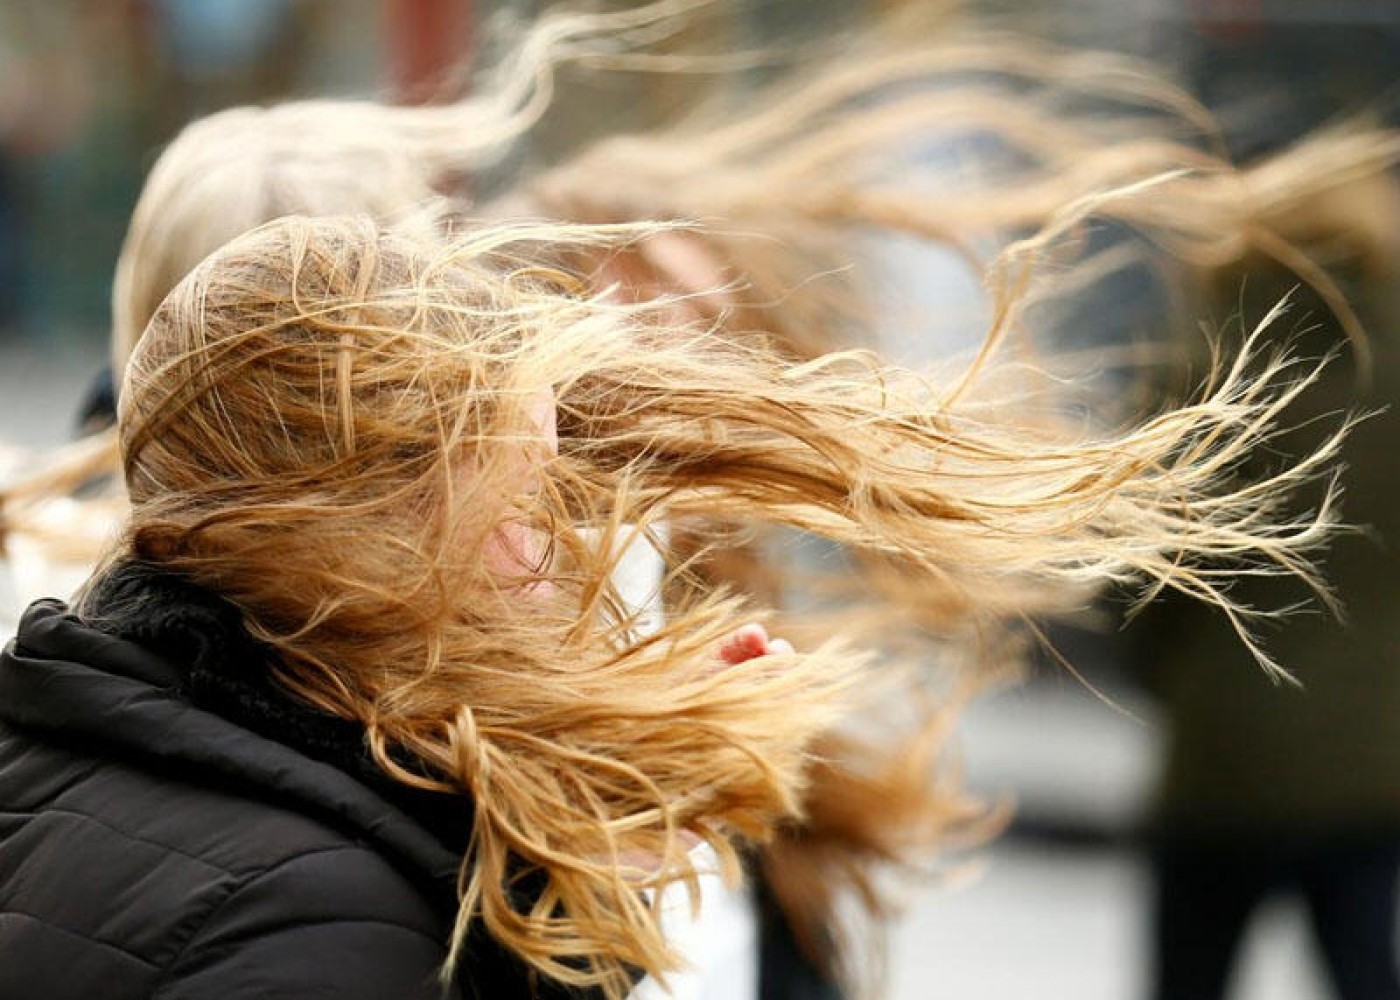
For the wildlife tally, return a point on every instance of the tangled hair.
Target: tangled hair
(326, 420)
(741, 417)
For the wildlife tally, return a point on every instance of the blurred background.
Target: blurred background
(1062, 906)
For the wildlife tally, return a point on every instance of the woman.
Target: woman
(353, 704)
(797, 177)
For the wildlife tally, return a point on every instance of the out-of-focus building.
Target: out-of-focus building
(89, 91)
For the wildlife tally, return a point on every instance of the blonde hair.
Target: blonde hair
(788, 178)
(296, 425)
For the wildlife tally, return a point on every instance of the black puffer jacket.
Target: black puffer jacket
(154, 845)
(173, 827)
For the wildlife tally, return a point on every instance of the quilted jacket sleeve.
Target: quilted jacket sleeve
(338, 923)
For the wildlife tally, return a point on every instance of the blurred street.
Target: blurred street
(1049, 914)
(1042, 924)
(42, 385)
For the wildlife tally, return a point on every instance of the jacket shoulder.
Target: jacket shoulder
(336, 921)
(118, 874)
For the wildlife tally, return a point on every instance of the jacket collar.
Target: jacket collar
(65, 677)
(159, 670)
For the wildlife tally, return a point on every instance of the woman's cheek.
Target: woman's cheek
(514, 554)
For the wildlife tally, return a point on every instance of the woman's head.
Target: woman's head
(374, 408)
(350, 433)
(345, 430)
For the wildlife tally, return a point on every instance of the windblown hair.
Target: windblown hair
(325, 419)
(976, 519)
